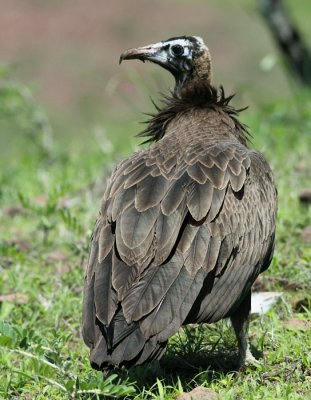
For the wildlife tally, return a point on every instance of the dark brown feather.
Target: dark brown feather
(163, 315)
(119, 203)
(144, 296)
(175, 194)
(135, 226)
(105, 242)
(199, 200)
(197, 251)
(167, 231)
(105, 297)
(123, 276)
(89, 314)
(150, 192)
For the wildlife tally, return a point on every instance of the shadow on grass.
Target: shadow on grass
(195, 355)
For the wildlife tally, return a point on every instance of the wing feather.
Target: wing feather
(187, 238)
(167, 231)
(163, 314)
(120, 202)
(92, 260)
(196, 173)
(221, 160)
(105, 297)
(199, 200)
(150, 192)
(135, 226)
(235, 166)
(139, 255)
(186, 303)
(212, 253)
(114, 186)
(196, 254)
(88, 316)
(175, 194)
(237, 181)
(173, 309)
(137, 176)
(217, 202)
(123, 276)
(105, 242)
(144, 296)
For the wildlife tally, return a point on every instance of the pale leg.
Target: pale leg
(240, 323)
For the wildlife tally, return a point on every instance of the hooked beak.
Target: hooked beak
(153, 52)
(140, 53)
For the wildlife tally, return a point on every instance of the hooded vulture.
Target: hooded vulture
(185, 225)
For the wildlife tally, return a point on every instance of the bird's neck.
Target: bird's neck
(199, 76)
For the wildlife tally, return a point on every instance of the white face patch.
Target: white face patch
(185, 44)
(189, 44)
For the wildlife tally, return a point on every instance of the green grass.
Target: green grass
(49, 199)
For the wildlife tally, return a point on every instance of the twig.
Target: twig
(288, 38)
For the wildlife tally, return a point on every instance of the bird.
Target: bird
(186, 223)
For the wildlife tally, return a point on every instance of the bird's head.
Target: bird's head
(186, 57)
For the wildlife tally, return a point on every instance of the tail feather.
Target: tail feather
(99, 357)
(123, 343)
(153, 350)
(129, 348)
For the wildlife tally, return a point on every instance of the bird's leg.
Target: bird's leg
(240, 322)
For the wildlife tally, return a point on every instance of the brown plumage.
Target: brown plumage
(185, 225)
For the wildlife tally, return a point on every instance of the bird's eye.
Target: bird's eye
(177, 50)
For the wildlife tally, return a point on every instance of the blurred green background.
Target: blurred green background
(67, 51)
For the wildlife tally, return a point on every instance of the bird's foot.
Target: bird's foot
(248, 360)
